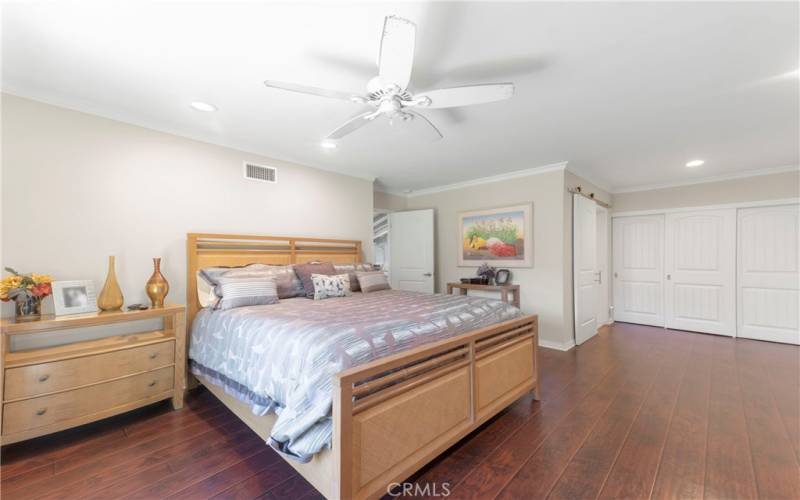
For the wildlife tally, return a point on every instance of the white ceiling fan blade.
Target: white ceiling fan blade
(418, 126)
(467, 95)
(351, 125)
(396, 56)
(305, 89)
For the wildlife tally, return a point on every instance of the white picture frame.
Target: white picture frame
(74, 297)
(515, 215)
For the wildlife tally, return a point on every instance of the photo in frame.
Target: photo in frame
(74, 297)
(499, 236)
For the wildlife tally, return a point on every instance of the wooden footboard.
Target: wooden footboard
(393, 416)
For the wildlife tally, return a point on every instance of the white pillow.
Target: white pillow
(205, 292)
(326, 286)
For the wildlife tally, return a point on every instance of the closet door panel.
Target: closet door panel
(769, 261)
(638, 269)
(700, 271)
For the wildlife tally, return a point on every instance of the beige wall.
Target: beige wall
(78, 188)
(388, 201)
(542, 285)
(756, 188)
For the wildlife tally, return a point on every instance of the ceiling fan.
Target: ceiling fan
(388, 93)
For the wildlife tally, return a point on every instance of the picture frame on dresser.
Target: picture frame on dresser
(74, 297)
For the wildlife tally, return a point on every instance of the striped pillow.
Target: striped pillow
(372, 281)
(245, 291)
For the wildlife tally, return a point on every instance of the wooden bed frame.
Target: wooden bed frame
(393, 415)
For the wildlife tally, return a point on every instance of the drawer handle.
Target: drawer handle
(152, 384)
(44, 378)
(41, 411)
(154, 355)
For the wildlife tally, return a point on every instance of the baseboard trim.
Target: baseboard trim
(560, 346)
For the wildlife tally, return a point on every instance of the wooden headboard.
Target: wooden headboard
(210, 250)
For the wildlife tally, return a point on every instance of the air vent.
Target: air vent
(260, 173)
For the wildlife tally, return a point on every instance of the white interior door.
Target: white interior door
(584, 270)
(603, 266)
(700, 268)
(411, 250)
(768, 273)
(638, 244)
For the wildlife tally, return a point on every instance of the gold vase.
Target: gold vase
(157, 286)
(110, 298)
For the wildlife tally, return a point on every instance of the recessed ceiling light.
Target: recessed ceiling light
(694, 163)
(203, 106)
(328, 145)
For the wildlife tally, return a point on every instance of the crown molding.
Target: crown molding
(589, 178)
(704, 180)
(554, 167)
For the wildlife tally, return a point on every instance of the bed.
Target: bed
(418, 374)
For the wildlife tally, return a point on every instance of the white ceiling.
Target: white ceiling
(626, 92)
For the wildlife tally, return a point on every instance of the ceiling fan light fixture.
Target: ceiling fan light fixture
(203, 106)
(694, 163)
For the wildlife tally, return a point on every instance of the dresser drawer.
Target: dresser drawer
(43, 378)
(45, 410)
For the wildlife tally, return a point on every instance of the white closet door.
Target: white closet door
(639, 269)
(584, 259)
(700, 258)
(768, 273)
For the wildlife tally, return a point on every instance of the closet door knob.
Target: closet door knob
(41, 411)
(44, 378)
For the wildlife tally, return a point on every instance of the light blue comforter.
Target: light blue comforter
(282, 357)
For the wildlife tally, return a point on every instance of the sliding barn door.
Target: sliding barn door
(639, 269)
(700, 266)
(768, 274)
(584, 270)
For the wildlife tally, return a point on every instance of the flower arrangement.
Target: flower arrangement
(27, 292)
(486, 272)
(24, 286)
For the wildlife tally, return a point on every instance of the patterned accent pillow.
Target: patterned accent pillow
(246, 291)
(326, 286)
(351, 270)
(288, 283)
(304, 272)
(373, 281)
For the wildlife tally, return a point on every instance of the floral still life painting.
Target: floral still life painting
(501, 236)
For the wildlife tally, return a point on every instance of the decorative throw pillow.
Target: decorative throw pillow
(304, 272)
(372, 281)
(288, 283)
(246, 291)
(351, 269)
(326, 286)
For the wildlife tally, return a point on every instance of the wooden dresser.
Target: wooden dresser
(54, 388)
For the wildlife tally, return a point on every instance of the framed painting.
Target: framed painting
(500, 236)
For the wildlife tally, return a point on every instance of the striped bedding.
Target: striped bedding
(282, 357)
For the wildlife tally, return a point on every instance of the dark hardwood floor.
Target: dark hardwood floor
(636, 412)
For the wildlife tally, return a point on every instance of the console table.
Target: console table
(506, 291)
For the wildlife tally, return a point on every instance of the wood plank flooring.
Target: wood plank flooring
(636, 412)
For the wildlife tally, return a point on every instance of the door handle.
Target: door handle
(428, 274)
(669, 277)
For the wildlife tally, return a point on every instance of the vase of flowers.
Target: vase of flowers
(27, 292)
(486, 273)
